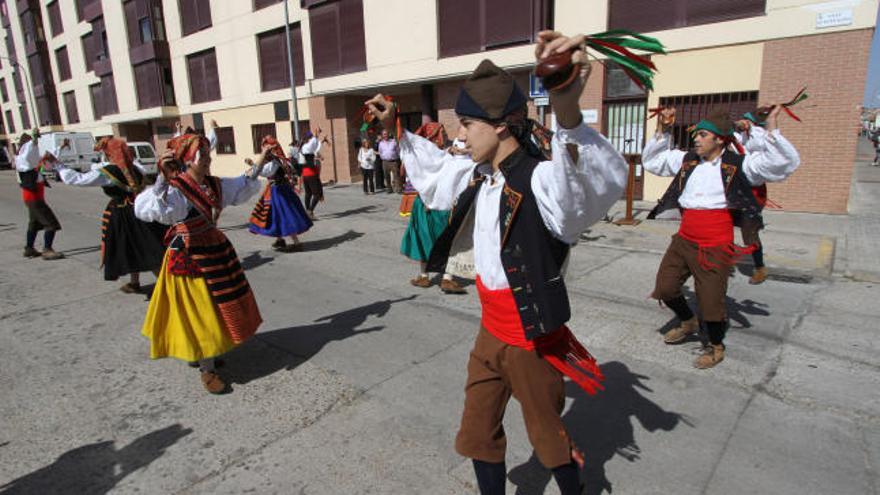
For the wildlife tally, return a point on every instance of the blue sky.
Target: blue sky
(872, 83)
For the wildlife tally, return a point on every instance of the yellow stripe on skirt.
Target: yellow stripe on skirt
(182, 321)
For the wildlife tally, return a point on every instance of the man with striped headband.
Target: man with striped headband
(520, 211)
(711, 186)
(202, 305)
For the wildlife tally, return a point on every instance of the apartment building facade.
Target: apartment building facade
(134, 67)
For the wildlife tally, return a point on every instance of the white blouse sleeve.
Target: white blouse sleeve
(237, 190)
(82, 179)
(28, 157)
(756, 140)
(659, 159)
(161, 203)
(269, 169)
(438, 176)
(774, 163)
(571, 195)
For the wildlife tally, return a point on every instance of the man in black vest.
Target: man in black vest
(711, 186)
(519, 211)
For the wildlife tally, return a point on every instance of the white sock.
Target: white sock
(447, 276)
(206, 365)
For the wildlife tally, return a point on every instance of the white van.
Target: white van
(146, 154)
(79, 156)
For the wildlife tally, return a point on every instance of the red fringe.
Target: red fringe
(563, 351)
(726, 255)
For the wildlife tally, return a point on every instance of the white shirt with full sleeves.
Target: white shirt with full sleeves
(704, 189)
(93, 177)
(312, 146)
(754, 140)
(571, 195)
(28, 157)
(167, 205)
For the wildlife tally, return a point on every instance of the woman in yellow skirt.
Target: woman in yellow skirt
(202, 305)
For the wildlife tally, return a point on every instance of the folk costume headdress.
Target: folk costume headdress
(185, 150)
(491, 94)
(118, 153)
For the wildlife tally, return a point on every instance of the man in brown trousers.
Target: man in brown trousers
(524, 209)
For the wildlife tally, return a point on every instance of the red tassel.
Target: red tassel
(791, 114)
(563, 351)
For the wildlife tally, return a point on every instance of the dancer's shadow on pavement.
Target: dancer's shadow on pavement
(602, 427)
(96, 468)
(83, 250)
(287, 348)
(331, 242)
(254, 260)
(353, 211)
(737, 314)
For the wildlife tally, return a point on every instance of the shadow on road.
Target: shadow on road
(254, 260)
(98, 467)
(353, 211)
(82, 250)
(602, 427)
(737, 312)
(287, 348)
(330, 242)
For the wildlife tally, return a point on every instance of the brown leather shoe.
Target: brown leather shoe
(30, 252)
(51, 254)
(131, 288)
(678, 334)
(213, 383)
(759, 276)
(711, 356)
(451, 287)
(421, 281)
(279, 245)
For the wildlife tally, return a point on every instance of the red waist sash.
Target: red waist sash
(560, 348)
(712, 232)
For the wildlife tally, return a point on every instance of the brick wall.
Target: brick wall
(833, 67)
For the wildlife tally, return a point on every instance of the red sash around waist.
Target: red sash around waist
(560, 348)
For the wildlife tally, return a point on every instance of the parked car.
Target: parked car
(146, 155)
(79, 156)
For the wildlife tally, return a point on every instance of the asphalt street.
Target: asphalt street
(354, 383)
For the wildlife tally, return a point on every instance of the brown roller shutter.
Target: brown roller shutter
(148, 83)
(708, 11)
(261, 4)
(324, 23)
(296, 40)
(131, 23)
(63, 62)
(88, 50)
(646, 15)
(108, 91)
(273, 60)
(70, 107)
(203, 77)
(353, 54)
(203, 11)
(508, 22)
(4, 92)
(55, 22)
(459, 26)
(212, 77)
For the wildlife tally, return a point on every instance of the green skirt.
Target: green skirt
(425, 226)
